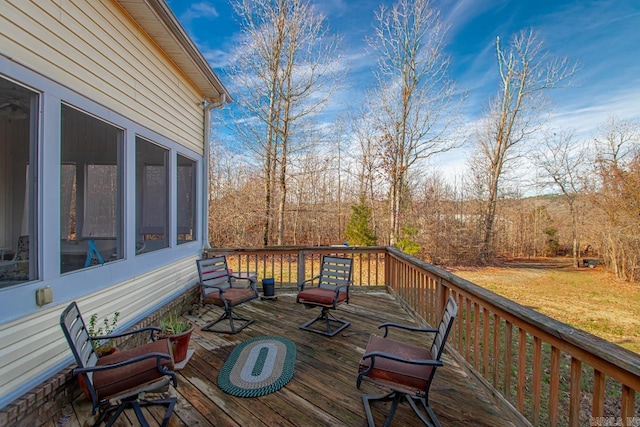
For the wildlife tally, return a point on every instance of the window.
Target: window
(186, 199)
(18, 185)
(152, 196)
(91, 209)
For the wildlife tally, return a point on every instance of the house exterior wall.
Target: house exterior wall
(92, 55)
(94, 47)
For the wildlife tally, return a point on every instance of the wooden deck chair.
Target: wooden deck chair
(333, 286)
(218, 288)
(406, 369)
(120, 380)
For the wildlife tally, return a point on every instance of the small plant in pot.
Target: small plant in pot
(108, 326)
(179, 333)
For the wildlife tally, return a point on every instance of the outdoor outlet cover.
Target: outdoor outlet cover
(44, 296)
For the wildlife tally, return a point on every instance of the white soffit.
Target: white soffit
(158, 21)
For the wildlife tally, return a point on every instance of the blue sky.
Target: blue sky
(603, 35)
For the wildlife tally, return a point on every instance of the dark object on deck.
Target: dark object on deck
(591, 263)
(268, 287)
(406, 369)
(334, 281)
(217, 288)
(120, 380)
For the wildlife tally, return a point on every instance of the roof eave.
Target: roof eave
(158, 21)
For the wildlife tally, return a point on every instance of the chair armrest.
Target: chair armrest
(87, 369)
(388, 325)
(252, 281)
(301, 284)
(390, 356)
(339, 287)
(150, 329)
(158, 356)
(219, 288)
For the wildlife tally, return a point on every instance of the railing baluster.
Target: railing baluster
(597, 403)
(467, 335)
(459, 324)
(554, 386)
(496, 351)
(476, 335)
(508, 358)
(536, 368)
(485, 343)
(522, 366)
(628, 405)
(574, 392)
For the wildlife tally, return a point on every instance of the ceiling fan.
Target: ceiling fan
(14, 110)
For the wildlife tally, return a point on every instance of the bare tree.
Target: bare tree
(414, 104)
(563, 160)
(365, 162)
(527, 72)
(283, 69)
(618, 195)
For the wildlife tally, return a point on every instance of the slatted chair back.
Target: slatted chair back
(218, 288)
(77, 335)
(444, 328)
(214, 272)
(335, 272)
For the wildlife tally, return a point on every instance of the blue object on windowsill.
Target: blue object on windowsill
(92, 254)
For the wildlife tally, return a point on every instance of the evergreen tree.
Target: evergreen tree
(406, 243)
(358, 231)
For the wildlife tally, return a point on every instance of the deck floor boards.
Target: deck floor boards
(323, 390)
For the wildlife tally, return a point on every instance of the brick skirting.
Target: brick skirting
(39, 405)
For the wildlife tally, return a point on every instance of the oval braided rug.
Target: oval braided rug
(258, 366)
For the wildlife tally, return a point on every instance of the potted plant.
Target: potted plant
(101, 348)
(108, 326)
(179, 333)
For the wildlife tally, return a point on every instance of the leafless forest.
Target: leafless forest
(598, 213)
(282, 174)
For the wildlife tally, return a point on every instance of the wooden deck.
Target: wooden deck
(323, 390)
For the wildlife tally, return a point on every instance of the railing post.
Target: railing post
(387, 268)
(442, 296)
(301, 266)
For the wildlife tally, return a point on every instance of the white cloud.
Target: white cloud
(201, 10)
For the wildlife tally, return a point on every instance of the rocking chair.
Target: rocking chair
(406, 369)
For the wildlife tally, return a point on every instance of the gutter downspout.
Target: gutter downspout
(207, 151)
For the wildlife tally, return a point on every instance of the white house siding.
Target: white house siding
(96, 49)
(34, 343)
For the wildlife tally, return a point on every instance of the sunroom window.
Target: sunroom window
(186, 199)
(152, 196)
(90, 192)
(18, 184)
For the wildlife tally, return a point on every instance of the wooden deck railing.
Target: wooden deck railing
(551, 373)
(281, 263)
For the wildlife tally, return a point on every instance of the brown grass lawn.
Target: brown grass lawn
(591, 299)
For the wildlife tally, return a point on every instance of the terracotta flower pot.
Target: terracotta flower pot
(180, 344)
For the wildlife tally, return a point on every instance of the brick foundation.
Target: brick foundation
(39, 405)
